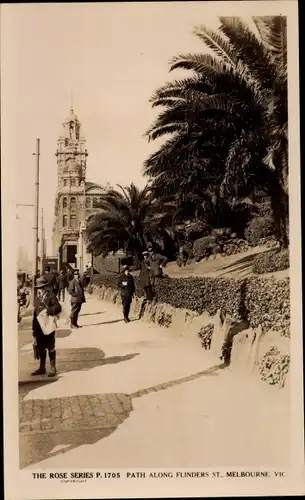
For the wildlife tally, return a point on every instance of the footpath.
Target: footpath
(136, 395)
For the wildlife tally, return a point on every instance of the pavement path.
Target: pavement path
(137, 395)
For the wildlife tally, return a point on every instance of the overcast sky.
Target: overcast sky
(112, 57)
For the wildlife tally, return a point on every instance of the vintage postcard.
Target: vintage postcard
(152, 301)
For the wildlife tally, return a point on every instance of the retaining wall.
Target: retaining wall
(258, 349)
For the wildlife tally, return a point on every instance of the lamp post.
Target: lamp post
(36, 218)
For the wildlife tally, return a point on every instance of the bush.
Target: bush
(234, 246)
(205, 335)
(259, 227)
(270, 262)
(267, 302)
(203, 247)
(261, 301)
(274, 367)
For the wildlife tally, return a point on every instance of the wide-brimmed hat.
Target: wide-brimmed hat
(76, 271)
(41, 282)
(145, 253)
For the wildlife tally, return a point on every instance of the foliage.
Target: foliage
(270, 262)
(259, 227)
(128, 219)
(203, 247)
(274, 367)
(205, 334)
(226, 124)
(234, 246)
(261, 301)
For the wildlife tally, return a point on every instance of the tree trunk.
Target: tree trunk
(280, 208)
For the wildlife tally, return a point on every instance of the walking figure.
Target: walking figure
(46, 301)
(76, 290)
(126, 286)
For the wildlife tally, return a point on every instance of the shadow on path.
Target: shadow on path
(166, 385)
(68, 360)
(245, 262)
(54, 426)
(106, 322)
(92, 314)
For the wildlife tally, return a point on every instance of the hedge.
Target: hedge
(261, 301)
(272, 261)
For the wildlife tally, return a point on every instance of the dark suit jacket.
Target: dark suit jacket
(126, 285)
(51, 278)
(62, 281)
(52, 306)
(76, 291)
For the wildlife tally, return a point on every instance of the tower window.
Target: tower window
(64, 203)
(65, 182)
(64, 220)
(73, 182)
(73, 203)
(88, 202)
(95, 202)
(73, 220)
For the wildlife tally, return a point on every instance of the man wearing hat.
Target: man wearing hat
(51, 279)
(76, 290)
(127, 288)
(46, 301)
(156, 262)
(145, 277)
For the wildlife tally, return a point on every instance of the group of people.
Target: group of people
(151, 270)
(50, 290)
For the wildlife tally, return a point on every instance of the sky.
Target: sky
(112, 57)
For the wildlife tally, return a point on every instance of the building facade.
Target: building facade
(76, 199)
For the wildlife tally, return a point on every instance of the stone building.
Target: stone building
(76, 199)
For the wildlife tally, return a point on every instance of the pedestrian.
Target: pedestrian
(51, 279)
(62, 285)
(69, 275)
(145, 278)
(76, 290)
(182, 255)
(126, 286)
(156, 262)
(46, 307)
(86, 277)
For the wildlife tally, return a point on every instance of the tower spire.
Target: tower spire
(71, 101)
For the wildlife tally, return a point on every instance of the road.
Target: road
(137, 395)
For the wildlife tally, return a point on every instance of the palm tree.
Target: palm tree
(128, 219)
(228, 121)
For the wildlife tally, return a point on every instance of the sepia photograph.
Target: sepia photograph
(152, 302)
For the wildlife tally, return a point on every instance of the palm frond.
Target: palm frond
(218, 43)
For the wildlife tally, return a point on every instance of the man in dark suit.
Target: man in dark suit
(45, 300)
(62, 285)
(127, 288)
(76, 290)
(51, 279)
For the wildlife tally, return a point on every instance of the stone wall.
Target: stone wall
(258, 350)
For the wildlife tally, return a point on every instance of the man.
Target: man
(157, 262)
(46, 301)
(86, 277)
(145, 280)
(76, 291)
(62, 285)
(127, 288)
(51, 279)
